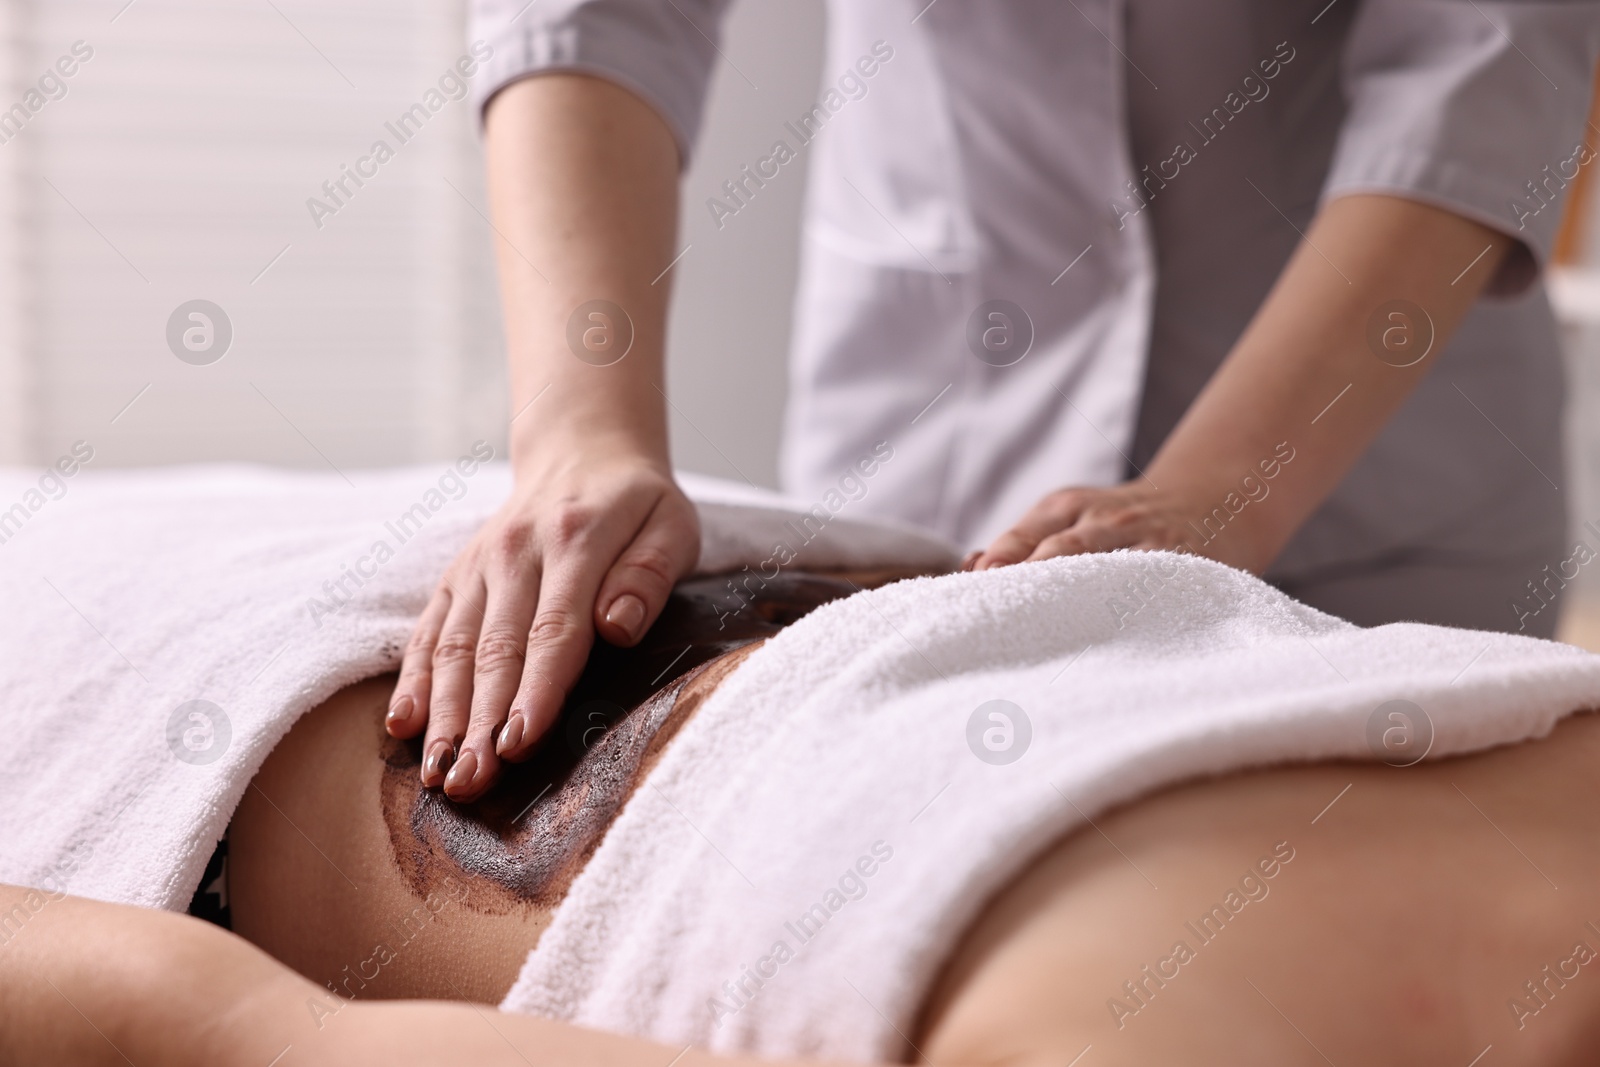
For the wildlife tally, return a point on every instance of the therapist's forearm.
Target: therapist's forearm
(583, 181)
(1307, 348)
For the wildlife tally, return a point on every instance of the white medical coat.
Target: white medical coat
(1132, 175)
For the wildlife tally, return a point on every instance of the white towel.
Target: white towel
(125, 596)
(847, 745)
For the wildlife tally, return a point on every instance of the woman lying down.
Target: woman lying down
(969, 820)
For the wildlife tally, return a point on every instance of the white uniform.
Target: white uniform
(1128, 178)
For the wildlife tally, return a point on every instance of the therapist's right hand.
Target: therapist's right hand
(593, 545)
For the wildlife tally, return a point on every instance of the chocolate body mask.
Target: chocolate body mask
(526, 839)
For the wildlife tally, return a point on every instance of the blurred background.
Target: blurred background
(176, 162)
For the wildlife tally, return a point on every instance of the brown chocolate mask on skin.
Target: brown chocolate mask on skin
(526, 839)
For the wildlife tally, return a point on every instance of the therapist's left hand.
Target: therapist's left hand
(1070, 522)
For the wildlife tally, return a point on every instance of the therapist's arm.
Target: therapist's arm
(1306, 349)
(583, 183)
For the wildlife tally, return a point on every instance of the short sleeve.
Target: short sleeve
(1476, 106)
(661, 50)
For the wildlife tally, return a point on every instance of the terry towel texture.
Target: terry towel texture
(829, 797)
(810, 847)
(261, 593)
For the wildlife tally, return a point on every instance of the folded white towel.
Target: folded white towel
(129, 596)
(799, 864)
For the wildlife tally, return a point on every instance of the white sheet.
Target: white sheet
(136, 593)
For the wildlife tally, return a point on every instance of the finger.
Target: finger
(636, 587)
(1013, 546)
(454, 658)
(1090, 535)
(1066, 543)
(408, 707)
(502, 649)
(558, 645)
(1054, 513)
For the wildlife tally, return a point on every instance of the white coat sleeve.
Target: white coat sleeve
(661, 50)
(1476, 106)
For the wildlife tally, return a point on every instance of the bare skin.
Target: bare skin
(330, 764)
(583, 184)
(1397, 934)
(460, 892)
(1414, 907)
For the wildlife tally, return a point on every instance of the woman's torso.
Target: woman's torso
(1419, 900)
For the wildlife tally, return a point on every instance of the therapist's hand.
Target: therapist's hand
(1315, 375)
(583, 188)
(1070, 522)
(591, 546)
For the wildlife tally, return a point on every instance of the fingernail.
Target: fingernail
(510, 734)
(462, 773)
(972, 558)
(438, 761)
(627, 613)
(400, 711)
